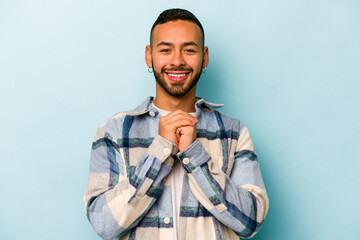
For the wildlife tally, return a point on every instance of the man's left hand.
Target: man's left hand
(185, 135)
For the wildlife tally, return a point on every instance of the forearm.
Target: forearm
(240, 204)
(117, 200)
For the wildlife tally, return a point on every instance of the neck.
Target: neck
(170, 103)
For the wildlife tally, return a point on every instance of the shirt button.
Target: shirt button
(166, 151)
(166, 220)
(152, 114)
(186, 160)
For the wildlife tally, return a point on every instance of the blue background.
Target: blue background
(288, 69)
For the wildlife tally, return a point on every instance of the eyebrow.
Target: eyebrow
(171, 44)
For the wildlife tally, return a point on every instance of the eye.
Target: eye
(189, 50)
(165, 50)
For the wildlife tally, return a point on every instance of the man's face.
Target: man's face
(177, 56)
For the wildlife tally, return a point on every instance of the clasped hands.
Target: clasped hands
(178, 127)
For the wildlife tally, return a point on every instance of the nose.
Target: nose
(177, 59)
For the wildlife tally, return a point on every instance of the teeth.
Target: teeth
(176, 75)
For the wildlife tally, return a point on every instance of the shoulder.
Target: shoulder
(115, 124)
(112, 127)
(224, 121)
(238, 132)
(114, 121)
(229, 122)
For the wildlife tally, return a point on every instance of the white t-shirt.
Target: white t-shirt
(177, 175)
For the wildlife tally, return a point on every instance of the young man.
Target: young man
(175, 168)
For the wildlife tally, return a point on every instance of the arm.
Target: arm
(117, 196)
(239, 201)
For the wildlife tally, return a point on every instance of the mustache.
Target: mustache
(179, 69)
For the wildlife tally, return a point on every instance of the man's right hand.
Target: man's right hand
(169, 125)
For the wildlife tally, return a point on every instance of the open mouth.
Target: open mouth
(177, 77)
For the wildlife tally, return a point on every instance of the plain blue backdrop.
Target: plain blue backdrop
(288, 69)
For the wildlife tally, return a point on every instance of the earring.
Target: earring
(204, 70)
(150, 70)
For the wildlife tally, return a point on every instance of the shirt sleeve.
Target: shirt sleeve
(239, 200)
(117, 196)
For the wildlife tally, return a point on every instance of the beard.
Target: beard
(176, 89)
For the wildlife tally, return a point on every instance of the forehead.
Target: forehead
(177, 32)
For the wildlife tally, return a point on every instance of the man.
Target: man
(175, 168)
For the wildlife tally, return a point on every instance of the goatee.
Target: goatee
(176, 89)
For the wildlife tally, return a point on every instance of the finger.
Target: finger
(179, 118)
(175, 120)
(178, 134)
(166, 128)
(186, 130)
(181, 123)
(178, 131)
(171, 114)
(177, 114)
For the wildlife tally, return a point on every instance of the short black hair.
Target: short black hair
(175, 14)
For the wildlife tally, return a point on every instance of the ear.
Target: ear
(205, 57)
(148, 56)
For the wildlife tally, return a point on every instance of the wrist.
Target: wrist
(194, 156)
(162, 148)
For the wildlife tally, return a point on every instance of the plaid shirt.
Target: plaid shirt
(128, 195)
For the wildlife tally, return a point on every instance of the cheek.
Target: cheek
(195, 63)
(159, 62)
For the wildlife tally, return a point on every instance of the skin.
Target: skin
(177, 48)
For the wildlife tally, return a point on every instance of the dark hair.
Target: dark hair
(175, 14)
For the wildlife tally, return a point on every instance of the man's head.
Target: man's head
(176, 52)
(174, 15)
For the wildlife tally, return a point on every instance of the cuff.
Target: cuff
(161, 148)
(194, 156)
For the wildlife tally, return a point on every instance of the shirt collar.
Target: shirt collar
(146, 106)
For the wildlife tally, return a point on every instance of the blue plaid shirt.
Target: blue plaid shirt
(128, 195)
